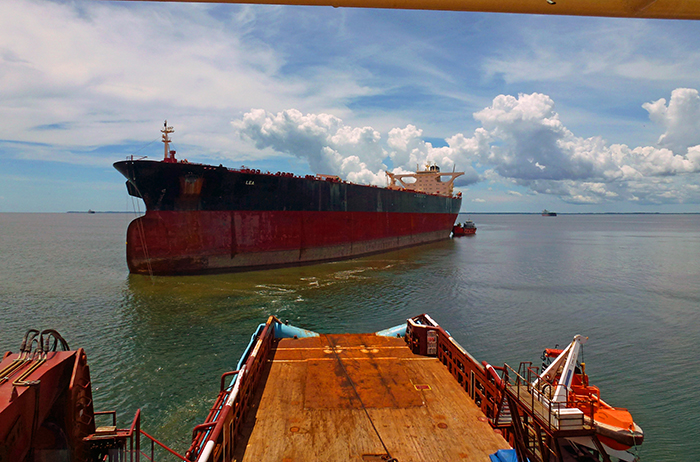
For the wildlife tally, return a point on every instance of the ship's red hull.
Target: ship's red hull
(195, 242)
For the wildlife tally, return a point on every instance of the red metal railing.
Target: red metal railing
(122, 445)
(216, 438)
(496, 392)
(156, 442)
(116, 444)
(470, 375)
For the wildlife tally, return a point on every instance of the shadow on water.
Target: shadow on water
(316, 296)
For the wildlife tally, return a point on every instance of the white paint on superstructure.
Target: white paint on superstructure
(427, 181)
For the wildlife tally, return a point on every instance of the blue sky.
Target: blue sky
(565, 113)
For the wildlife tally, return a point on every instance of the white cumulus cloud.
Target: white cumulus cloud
(354, 153)
(680, 118)
(521, 141)
(329, 146)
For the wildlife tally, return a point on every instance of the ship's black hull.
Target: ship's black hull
(211, 219)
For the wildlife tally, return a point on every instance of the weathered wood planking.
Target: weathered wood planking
(325, 396)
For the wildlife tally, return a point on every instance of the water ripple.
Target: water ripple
(521, 284)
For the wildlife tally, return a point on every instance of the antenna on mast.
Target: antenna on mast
(169, 155)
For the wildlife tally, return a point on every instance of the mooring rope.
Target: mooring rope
(142, 235)
(139, 226)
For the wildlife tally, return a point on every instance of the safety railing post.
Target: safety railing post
(138, 438)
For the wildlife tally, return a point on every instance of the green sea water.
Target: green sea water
(631, 283)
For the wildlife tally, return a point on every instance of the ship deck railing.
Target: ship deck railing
(555, 415)
(112, 444)
(317, 177)
(352, 397)
(539, 425)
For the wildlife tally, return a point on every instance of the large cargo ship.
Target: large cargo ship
(204, 219)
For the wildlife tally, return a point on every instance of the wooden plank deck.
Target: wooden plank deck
(353, 397)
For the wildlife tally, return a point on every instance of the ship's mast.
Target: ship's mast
(169, 156)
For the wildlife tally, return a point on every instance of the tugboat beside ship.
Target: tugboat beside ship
(204, 219)
(464, 229)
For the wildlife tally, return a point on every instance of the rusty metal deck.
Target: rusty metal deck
(355, 397)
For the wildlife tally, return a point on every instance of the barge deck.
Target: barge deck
(408, 393)
(361, 397)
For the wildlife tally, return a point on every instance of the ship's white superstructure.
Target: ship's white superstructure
(428, 181)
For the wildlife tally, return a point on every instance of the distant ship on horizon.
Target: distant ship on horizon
(547, 213)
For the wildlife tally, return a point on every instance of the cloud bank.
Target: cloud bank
(85, 74)
(86, 83)
(521, 142)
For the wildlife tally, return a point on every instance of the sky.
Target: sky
(572, 114)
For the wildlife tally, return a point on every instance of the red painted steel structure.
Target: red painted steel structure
(45, 402)
(216, 438)
(187, 242)
(483, 388)
(46, 409)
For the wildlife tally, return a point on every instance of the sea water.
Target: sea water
(630, 283)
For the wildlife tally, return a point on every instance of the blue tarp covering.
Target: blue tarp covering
(396, 331)
(504, 455)
(287, 331)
